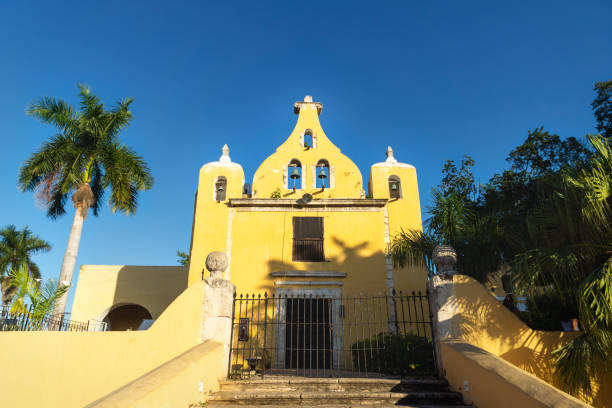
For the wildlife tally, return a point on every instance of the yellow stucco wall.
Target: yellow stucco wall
(70, 369)
(101, 287)
(210, 218)
(487, 324)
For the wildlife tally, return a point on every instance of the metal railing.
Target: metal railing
(323, 336)
(25, 320)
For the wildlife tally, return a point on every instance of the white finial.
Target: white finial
(308, 98)
(390, 158)
(225, 156)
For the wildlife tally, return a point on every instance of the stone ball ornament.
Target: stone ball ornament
(445, 259)
(216, 263)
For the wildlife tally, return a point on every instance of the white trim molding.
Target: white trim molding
(307, 283)
(308, 274)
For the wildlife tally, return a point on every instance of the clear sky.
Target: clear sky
(432, 79)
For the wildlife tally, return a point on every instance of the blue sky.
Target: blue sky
(434, 80)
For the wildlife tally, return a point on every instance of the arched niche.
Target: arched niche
(308, 140)
(126, 317)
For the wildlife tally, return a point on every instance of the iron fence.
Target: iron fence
(26, 320)
(324, 335)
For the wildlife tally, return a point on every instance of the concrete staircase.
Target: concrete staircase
(334, 393)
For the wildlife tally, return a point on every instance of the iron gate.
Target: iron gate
(325, 336)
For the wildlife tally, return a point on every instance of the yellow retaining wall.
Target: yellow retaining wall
(484, 322)
(173, 384)
(73, 369)
(493, 382)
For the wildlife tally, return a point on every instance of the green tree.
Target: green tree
(183, 258)
(84, 159)
(602, 107)
(458, 181)
(454, 220)
(570, 241)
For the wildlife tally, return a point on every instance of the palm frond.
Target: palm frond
(53, 111)
(45, 162)
(413, 247)
(126, 174)
(97, 187)
(119, 117)
(596, 299)
(577, 361)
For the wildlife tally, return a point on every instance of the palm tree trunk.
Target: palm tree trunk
(70, 257)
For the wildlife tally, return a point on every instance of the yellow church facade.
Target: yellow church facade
(307, 227)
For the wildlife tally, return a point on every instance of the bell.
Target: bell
(322, 174)
(394, 187)
(220, 188)
(295, 174)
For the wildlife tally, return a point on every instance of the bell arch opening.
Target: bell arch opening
(220, 189)
(322, 174)
(395, 187)
(295, 174)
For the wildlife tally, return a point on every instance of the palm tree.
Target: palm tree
(41, 297)
(84, 159)
(571, 241)
(16, 249)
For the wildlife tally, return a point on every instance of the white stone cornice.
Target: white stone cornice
(375, 203)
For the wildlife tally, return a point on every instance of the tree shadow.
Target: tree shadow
(484, 322)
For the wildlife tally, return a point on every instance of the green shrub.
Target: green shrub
(546, 310)
(276, 193)
(394, 354)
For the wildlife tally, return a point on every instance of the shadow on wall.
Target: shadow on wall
(346, 259)
(485, 323)
(144, 292)
(272, 331)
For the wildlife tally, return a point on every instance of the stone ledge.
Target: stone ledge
(308, 274)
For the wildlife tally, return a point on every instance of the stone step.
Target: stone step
(334, 384)
(356, 405)
(256, 398)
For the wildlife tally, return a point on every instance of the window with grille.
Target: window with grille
(308, 239)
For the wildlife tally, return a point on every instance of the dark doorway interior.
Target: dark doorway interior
(308, 334)
(126, 317)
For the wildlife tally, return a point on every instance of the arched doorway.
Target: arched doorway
(126, 317)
